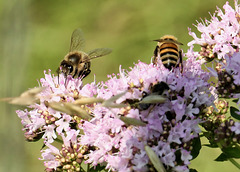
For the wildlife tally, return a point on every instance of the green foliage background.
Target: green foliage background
(35, 36)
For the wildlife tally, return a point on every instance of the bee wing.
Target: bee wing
(98, 52)
(77, 40)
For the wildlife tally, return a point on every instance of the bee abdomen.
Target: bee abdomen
(169, 55)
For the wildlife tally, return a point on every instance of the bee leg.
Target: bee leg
(180, 61)
(86, 73)
(75, 73)
(58, 70)
(155, 53)
(86, 70)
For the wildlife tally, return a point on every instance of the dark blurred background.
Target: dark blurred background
(35, 36)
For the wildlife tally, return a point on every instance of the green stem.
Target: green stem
(234, 162)
(81, 169)
(88, 167)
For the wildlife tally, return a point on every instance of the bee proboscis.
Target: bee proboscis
(167, 50)
(77, 63)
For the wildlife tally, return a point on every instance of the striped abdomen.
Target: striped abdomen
(169, 54)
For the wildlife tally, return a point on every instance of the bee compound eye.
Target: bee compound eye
(67, 67)
(70, 68)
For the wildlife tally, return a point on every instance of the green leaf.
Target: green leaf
(28, 97)
(153, 99)
(231, 152)
(154, 159)
(77, 110)
(233, 111)
(222, 157)
(235, 100)
(96, 168)
(211, 145)
(132, 121)
(196, 144)
(110, 102)
(88, 100)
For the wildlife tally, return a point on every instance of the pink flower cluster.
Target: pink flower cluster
(219, 41)
(120, 123)
(170, 126)
(174, 122)
(220, 35)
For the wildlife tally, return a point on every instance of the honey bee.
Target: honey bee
(168, 51)
(77, 63)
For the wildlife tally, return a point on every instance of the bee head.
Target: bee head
(66, 67)
(168, 39)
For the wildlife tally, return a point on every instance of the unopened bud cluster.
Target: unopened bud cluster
(226, 86)
(207, 52)
(218, 126)
(70, 158)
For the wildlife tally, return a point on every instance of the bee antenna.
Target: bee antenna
(158, 40)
